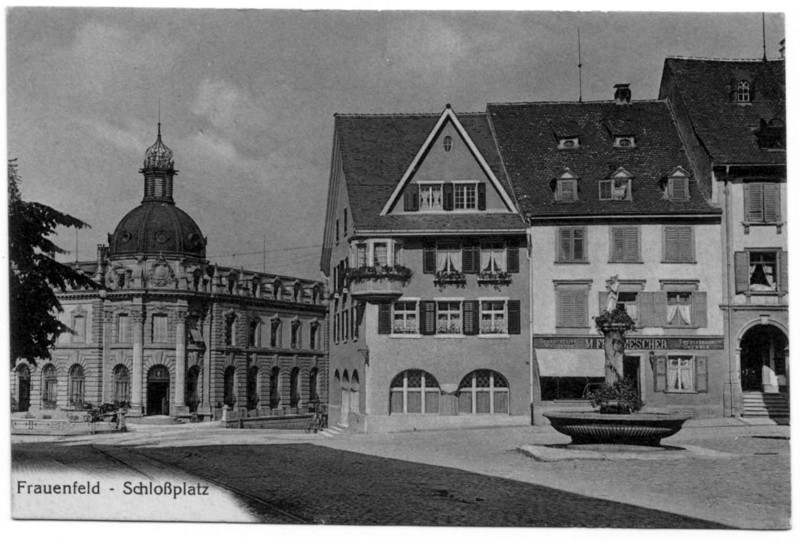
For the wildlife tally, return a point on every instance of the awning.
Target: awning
(571, 362)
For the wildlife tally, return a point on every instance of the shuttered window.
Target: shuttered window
(572, 310)
(759, 271)
(678, 189)
(678, 244)
(566, 190)
(571, 245)
(625, 244)
(762, 202)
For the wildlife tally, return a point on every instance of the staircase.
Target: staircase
(765, 405)
(333, 430)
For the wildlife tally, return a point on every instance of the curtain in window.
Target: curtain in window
(380, 254)
(762, 277)
(686, 313)
(448, 259)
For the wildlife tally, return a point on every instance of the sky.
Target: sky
(247, 99)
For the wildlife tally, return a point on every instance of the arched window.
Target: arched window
(77, 386)
(122, 385)
(483, 392)
(447, 143)
(743, 91)
(354, 393)
(275, 388)
(294, 388)
(252, 388)
(229, 386)
(297, 327)
(230, 330)
(23, 395)
(337, 383)
(255, 332)
(275, 333)
(313, 392)
(49, 386)
(414, 392)
(313, 336)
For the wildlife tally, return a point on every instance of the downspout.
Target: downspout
(728, 293)
(532, 354)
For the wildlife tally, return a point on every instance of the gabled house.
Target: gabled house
(732, 115)
(608, 190)
(425, 251)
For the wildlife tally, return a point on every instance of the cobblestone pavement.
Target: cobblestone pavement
(456, 477)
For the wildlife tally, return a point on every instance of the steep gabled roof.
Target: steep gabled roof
(529, 149)
(376, 152)
(725, 128)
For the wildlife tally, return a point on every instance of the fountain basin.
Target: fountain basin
(639, 429)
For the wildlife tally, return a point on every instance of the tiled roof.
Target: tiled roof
(376, 151)
(725, 127)
(529, 149)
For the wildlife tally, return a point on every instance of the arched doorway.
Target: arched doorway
(252, 388)
(192, 393)
(763, 351)
(23, 388)
(229, 386)
(158, 391)
(345, 398)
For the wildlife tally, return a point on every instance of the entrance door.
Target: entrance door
(23, 389)
(158, 391)
(630, 371)
(752, 362)
(763, 359)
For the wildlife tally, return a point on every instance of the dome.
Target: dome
(158, 155)
(157, 227)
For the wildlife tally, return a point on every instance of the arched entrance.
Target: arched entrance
(763, 352)
(23, 388)
(345, 399)
(192, 393)
(158, 391)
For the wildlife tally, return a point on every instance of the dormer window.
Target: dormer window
(566, 188)
(625, 142)
(430, 197)
(568, 143)
(617, 188)
(676, 187)
(743, 91)
(447, 143)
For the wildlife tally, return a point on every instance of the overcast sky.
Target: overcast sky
(248, 98)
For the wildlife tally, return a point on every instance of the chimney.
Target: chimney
(783, 48)
(622, 93)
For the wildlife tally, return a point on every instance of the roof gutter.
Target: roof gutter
(413, 233)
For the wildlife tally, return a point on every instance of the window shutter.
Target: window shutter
(631, 245)
(602, 302)
(512, 257)
(741, 264)
(384, 319)
(427, 317)
(564, 245)
(581, 310)
(783, 278)
(482, 196)
(646, 308)
(429, 259)
(660, 374)
(411, 197)
(686, 244)
(447, 203)
(701, 374)
(471, 318)
(514, 317)
(470, 258)
(617, 244)
(754, 202)
(700, 309)
(659, 316)
(671, 251)
(771, 194)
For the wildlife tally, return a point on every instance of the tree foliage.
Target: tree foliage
(35, 274)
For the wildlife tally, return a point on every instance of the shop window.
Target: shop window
(414, 392)
(567, 388)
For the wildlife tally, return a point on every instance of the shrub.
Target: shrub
(621, 397)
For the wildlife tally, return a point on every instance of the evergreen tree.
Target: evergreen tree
(34, 273)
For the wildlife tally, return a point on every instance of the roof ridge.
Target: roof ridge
(717, 59)
(571, 102)
(457, 113)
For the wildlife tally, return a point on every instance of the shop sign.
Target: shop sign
(559, 342)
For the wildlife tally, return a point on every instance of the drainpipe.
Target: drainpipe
(531, 355)
(728, 293)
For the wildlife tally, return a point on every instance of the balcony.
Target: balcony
(378, 283)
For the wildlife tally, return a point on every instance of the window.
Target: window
(493, 317)
(229, 386)
(763, 271)
(448, 257)
(275, 388)
(555, 388)
(254, 335)
(79, 329)
(230, 329)
(571, 245)
(572, 307)
(122, 329)
(483, 392)
(294, 388)
(566, 190)
(313, 392)
(430, 197)
(762, 202)
(77, 384)
(615, 189)
(414, 392)
(380, 255)
(493, 257)
(159, 332)
(466, 195)
(361, 255)
(625, 142)
(398, 254)
(50, 387)
(122, 385)
(743, 91)
(679, 309)
(624, 244)
(297, 326)
(313, 336)
(678, 189)
(252, 388)
(678, 244)
(680, 374)
(404, 318)
(448, 317)
(568, 143)
(159, 187)
(275, 332)
(447, 143)
(628, 301)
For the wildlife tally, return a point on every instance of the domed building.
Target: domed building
(169, 333)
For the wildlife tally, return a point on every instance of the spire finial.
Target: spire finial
(764, 34)
(580, 65)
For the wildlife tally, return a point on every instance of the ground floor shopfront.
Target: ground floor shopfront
(676, 373)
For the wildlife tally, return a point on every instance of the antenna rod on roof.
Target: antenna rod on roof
(580, 79)
(764, 35)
